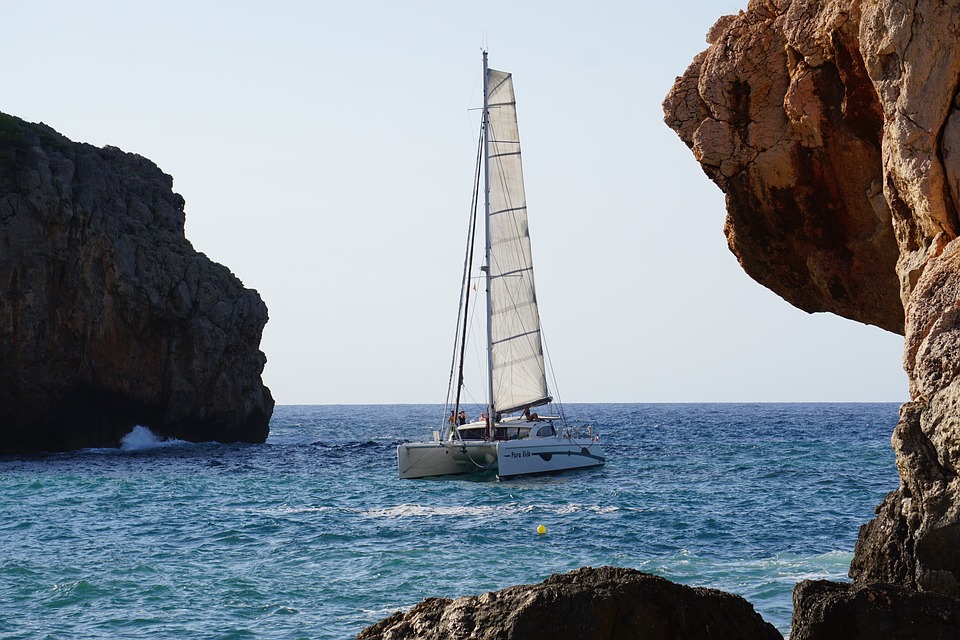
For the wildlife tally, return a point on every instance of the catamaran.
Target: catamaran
(509, 437)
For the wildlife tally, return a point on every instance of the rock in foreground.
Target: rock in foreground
(585, 604)
(108, 316)
(831, 611)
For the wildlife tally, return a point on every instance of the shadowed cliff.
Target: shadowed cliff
(109, 317)
(834, 131)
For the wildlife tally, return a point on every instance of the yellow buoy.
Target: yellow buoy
(541, 529)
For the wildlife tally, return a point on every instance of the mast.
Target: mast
(491, 416)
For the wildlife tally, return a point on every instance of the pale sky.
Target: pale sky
(325, 152)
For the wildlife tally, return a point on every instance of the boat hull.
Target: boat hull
(426, 459)
(547, 455)
(508, 458)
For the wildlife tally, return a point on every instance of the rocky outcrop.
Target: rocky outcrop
(783, 116)
(915, 540)
(833, 128)
(109, 317)
(584, 604)
(831, 611)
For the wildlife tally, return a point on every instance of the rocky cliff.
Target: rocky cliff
(833, 128)
(109, 317)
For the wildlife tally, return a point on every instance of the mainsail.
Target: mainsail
(517, 378)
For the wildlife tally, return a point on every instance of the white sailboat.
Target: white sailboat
(509, 437)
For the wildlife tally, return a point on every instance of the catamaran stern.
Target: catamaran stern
(426, 459)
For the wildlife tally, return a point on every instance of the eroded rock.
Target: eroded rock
(109, 317)
(833, 128)
(915, 540)
(783, 116)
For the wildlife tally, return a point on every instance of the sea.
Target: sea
(312, 535)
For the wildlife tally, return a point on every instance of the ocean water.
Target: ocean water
(312, 535)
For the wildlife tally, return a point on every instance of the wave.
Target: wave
(141, 438)
(356, 445)
(427, 511)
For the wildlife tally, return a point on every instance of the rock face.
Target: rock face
(831, 611)
(833, 128)
(915, 540)
(585, 604)
(783, 116)
(109, 317)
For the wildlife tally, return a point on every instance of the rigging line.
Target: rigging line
(473, 93)
(478, 329)
(477, 357)
(464, 289)
(466, 273)
(553, 377)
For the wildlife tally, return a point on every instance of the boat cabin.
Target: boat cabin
(508, 430)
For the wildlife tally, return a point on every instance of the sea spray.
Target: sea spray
(141, 438)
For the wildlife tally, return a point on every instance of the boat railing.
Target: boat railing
(577, 433)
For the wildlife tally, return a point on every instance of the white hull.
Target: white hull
(508, 458)
(545, 455)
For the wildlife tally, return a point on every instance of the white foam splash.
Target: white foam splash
(424, 511)
(428, 511)
(141, 438)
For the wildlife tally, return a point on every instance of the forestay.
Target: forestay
(517, 349)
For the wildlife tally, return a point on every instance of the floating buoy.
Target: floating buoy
(541, 529)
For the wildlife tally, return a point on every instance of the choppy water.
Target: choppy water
(313, 536)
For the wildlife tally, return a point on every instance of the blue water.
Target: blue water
(313, 536)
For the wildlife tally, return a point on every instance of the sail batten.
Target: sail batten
(518, 375)
(493, 213)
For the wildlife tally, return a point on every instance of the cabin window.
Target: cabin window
(547, 430)
(471, 434)
(510, 433)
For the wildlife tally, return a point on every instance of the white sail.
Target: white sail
(517, 350)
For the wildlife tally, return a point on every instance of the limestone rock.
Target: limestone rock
(782, 114)
(915, 540)
(109, 317)
(833, 128)
(585, 604)
(831, 611)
